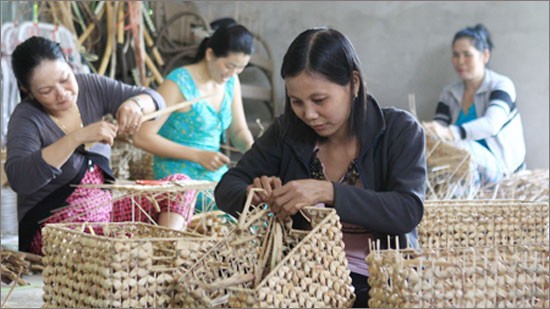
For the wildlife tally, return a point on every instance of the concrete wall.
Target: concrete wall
(405, 48)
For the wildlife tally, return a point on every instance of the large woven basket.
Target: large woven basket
(128, 265)
(464, 223)
(449, 171)
(312, 271)
(496, 277)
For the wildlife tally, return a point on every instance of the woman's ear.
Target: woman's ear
(486, 56)
(25, 90)
(209, 54)
(356, 83)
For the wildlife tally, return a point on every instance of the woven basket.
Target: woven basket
(496, 277)
(129, 265)
(464, 223)
(312, 270)
(449, 171)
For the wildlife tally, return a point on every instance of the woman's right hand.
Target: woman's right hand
(97, 132)
(268, 183)
(212, 160)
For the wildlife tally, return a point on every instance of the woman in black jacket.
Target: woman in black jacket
(335, 146)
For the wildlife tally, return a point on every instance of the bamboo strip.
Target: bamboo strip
(173, 108)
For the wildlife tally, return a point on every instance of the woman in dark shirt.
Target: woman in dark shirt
(336, 147)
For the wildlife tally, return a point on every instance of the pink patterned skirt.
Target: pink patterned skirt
(96, 205)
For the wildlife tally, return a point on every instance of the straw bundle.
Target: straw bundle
(497, 277)
(14, 264)
(262, 263)
(130, 162)
(129, 265)
(449, 171)
(121, 154)
(529, 185)
(463, 223)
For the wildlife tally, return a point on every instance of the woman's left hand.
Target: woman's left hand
(293, 196)
(129, 118)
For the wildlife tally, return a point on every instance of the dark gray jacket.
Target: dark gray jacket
(391, 164)
(30, 129)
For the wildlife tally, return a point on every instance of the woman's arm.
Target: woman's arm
(263, 159)
(60, 151)
(398, 205)
(239, 132)
(148, 139)
(502, 101)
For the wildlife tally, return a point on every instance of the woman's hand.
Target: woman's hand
(433, 128)
(293, 196)
(268, 184)
(129, 118)
(212, 160)
(97, 132)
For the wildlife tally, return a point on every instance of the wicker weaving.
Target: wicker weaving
(495, 277)
(264, 264)
(128, 265)
(479, 223)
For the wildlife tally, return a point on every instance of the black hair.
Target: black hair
(330, 53)
(30, 54)
(226, 39)
(479, 37)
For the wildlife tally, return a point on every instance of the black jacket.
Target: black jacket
(391, 164)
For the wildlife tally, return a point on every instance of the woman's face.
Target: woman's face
(469, 62)
(53, 84)
(319, 103)
(221, 69)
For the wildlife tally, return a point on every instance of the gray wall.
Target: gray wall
(405, 48)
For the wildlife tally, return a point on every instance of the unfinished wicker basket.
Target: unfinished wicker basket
(464, 223)
(495, 277)
(168, 189)
(449, 171)
(128, 265)
(262, 264)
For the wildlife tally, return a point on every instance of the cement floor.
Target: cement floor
(28, 296)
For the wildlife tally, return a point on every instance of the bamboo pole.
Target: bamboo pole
(110, 38)
(90, 27)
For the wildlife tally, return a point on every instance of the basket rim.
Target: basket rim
(66, 227)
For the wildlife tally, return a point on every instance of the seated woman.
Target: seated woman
(479, 112)
(189, 140)
(57, 139)
(335, 146)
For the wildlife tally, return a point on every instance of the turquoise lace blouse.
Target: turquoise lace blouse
(202, 127)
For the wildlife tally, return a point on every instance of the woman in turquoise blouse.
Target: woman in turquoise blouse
(188, 140)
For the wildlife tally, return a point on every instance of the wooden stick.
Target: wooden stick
(120, 24)
(90, 28)
(11, 290)
(173, 108)
(110, 38)
(231, 281)
(230, 148)
(151, 44)
(154, 70)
